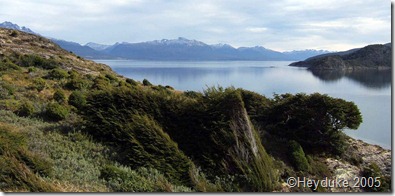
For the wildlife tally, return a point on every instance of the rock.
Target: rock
(369, 153)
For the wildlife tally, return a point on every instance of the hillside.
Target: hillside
(71, 125)
(369, 57)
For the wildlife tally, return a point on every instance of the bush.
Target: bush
(112, 77)
(6, 65)
(77, 99)
(58, 74)
(59, 96)
(101, 83)
(297, 156)
(315, 121)
(73, 74)
(56, 112)
(39, 84)
(77, 84)
(373, 171)
(14, 33)
(20, 170)
(32, 69)
(123, 179)
(26, 109)
(131, 81)
(37, 61)
(146, 83)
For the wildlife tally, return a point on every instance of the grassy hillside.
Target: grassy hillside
(69, 124)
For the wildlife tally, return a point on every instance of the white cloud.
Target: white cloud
(256, 29)
(282, 24)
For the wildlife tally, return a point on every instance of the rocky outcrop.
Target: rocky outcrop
(370, 57)
(369, 154)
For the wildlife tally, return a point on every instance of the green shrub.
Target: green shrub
(201, 183)
(59, 96)
(58, 74)
(111, 77)
(73, 74)
(6, 65)
(77, 84)
(39, 84)
(26, 109)
(20, 170)
(315, 121)
(37, 61)
(101, 83)
(297, 156)
(6, 90)
(169, 87)
(32, 69)
(14, 33)
(77, 99)
(146, 83)
(56, 112)
(373, 171)
(131, 81)
(123, 179)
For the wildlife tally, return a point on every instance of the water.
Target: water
(370, 90)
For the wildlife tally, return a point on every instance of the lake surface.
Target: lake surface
(370, 90)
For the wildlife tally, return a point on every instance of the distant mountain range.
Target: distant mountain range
(376, 56)
(9, 25)
(185, 49)
(175, 49)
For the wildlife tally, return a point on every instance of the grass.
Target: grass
(58, 158)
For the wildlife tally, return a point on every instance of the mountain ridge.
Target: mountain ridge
(174, 49)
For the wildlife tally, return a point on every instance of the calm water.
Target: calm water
(370, 90)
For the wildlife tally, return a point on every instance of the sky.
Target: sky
(281, 25)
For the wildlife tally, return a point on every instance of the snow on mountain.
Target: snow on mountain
(174, 49)
(179, 41)
(96, 46)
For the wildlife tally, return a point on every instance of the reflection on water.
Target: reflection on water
(369, 89)
(187, 74)
(367, 78)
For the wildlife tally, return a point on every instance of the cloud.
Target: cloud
(281, 24)
(256, 29)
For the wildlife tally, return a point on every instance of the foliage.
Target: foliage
(141, 141)
(123, 179)
(314, 121)
(111, 77)
(131, 81)
(26, 109)
(58, 74)
(18, 166)
(77, 99)
(146, 83)
(59, 96)
(201, 183)
(39, 84)
(56, 112)
(6, 65)
(37, 61)
(204, 129)
(14, 33)
(101, 83)
(77, 83)
(297, 156)
(373, 171)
